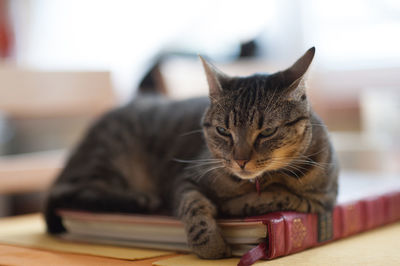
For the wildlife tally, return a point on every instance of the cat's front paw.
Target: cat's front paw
(208, 243)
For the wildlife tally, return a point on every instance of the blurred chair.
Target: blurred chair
(46, 112)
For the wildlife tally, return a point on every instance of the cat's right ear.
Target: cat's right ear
(294, 74)
(215, 79)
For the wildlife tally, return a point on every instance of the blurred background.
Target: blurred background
(63, 63)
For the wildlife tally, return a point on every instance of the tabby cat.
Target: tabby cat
(253, 146)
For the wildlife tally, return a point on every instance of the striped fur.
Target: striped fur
(186, 158)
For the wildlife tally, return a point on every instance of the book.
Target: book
(365, 202)
(151, 231)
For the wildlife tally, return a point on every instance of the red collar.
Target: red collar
(258, 186)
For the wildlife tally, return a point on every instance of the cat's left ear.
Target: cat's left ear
(294, 75)
(215, 78)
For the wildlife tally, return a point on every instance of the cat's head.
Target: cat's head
(258, 123)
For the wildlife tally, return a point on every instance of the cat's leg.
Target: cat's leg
(276, 198)
(198, 215)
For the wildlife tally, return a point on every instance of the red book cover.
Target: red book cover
(291, 232)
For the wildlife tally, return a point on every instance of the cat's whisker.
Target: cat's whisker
(305, 158)
(310, 163)
(197, 160)
(325, 147)
(299, 168)
(290, 168)
(292, 163)
(301, 161)
(298, 179)
(296, 168)
(287, 168)
(208, 171)
(191, 132)
(202, 165)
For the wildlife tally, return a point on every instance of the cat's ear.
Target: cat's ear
(215, 78)
(294, 75)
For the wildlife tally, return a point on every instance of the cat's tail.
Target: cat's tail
(153, 82)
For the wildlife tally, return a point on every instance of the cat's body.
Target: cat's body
(200, 159)
(134, 148)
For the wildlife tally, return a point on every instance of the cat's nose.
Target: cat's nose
(242, 163)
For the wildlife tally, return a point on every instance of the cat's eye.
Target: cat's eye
(223, 131)
(268, 132)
